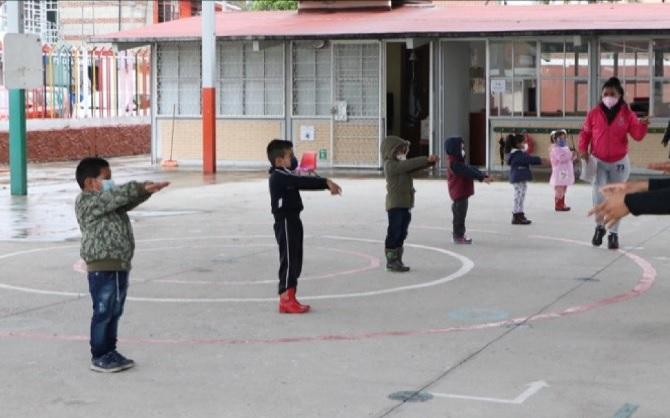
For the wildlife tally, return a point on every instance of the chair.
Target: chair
(308, 162)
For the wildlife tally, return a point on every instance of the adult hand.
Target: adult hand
(584, 155)
(152, 187)
(625, 188)
(612, 209)
(334, 188)
(644, 120)
(664, 166)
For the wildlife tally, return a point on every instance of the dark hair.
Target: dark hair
(512, 142)
(277, 148)
(89, 167)
(614, 83)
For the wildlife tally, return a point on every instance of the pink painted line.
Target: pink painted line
(645, 282)
(643, 285)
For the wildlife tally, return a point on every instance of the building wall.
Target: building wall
(241, 140)
(641, 153)
(84, 18)
(321, 140)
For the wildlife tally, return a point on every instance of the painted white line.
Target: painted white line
(532, 389)
(466, 266)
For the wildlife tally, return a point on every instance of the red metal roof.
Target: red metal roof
(416, 21)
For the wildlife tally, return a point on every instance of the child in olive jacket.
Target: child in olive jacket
(398, 171)
(107, 247)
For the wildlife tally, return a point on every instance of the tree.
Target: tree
(274, 5)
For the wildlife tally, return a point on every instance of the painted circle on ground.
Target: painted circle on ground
(466, 266)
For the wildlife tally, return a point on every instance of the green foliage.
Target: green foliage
(274, 5)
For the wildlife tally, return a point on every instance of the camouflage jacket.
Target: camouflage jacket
(107, 242)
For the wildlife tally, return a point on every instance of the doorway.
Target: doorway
(408, 95)
(463, 101)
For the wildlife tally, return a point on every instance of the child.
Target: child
(519, 161)
(286, 206)
(398, 171)
(461, 186)
(562, 169)
(107, 247)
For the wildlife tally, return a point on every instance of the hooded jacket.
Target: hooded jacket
(399, 184)
(459, 174)
(609, 142)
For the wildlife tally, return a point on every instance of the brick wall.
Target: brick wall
(76, 143)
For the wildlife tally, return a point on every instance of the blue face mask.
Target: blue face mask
(561, 142)
(108, 185)
(294, 163)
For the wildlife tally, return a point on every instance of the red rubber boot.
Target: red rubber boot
(289, 304)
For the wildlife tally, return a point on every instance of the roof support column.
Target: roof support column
(208, 89)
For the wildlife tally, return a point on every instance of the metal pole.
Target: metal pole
(18, 168)
(208, 89)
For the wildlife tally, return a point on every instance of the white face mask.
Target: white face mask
(524, 148)
(402, 157)
(463, 153)
(610, 101)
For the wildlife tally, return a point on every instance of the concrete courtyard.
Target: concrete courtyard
(527, 322)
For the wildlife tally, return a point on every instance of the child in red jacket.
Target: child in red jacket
(461, 185)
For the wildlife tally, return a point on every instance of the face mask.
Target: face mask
(463, 153)
(108, 185)
(524, 148)
(561, 142)
(294, 163)
(402, 157)
(610, 101)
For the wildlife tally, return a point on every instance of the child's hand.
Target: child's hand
(433, 159)
(645, 120)
(488, 180)
(334, 188)
(152, 187)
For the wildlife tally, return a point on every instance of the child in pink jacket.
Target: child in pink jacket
(562, 170)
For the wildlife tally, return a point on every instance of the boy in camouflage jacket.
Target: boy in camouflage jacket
(107, 247)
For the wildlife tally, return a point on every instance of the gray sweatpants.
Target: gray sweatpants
(607, 173)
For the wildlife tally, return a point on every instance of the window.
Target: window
(357, 78)
(661, 63)
(251, 83)
(311, 79)
(629, 61)
(513, 73)
(178, 78)
(564, 87)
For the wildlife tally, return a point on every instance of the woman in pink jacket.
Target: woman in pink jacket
(604, 136)
(562, 170)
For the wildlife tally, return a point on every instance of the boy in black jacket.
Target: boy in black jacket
(286, 207)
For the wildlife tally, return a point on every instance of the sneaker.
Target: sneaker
(613, 241)
(124, 362)
(462, 240)
(106, 364)
(597, 240)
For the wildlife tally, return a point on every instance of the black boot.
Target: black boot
(519, 219)
(597, 240)
(613, 241)
(401, 251)
(393, 261)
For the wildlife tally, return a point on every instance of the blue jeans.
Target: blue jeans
(108, 292)
(396, 233)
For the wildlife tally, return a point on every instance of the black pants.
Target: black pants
(396, 234)
(460, 210)
(288, 231)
